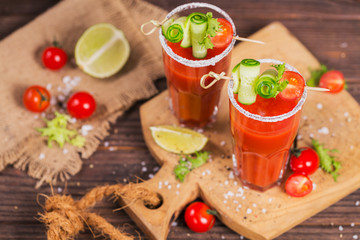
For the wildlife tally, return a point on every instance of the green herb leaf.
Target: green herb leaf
(316, 74)
(190, 163)
(281, 69)
(213, 26)
(327, 162)
(56, 130)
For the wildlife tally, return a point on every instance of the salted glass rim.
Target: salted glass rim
(197, 63)
(272, 118)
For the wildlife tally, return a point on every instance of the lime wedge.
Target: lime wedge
(178, 139)
(102, 50)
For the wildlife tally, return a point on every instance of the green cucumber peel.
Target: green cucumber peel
(249, 71)
(198, 26)
(266, 85)
(166, 25)
(175, 32)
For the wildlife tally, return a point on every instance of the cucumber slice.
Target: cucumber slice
(266, 86)
(236, 78)
(175, 32)
(249, 71)
(198, 28)
(166, 25)
(186, 42)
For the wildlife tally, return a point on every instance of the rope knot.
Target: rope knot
(216, 77)
(155, 23)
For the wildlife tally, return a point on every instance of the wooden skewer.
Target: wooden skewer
(319, 89)
(247, 40)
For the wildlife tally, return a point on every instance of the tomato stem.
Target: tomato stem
(43, 98)
(212, 212)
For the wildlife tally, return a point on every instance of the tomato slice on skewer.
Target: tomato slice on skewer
(296, 85)
(223, 37)
(332, 80)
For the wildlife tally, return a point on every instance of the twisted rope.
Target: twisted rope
(217, 77)
(153, 22)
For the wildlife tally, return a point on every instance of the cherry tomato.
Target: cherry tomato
(198, 218)
(298, 185)
(36, 98)
(81, 105)
(296, 85)
(225, 36)
(307, 162)
(54, 58)
(333, 80)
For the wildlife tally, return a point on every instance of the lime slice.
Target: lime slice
(102, 50)
(178, 139)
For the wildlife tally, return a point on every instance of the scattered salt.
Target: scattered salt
(178, 185)
(346, 114)
(254, 205)
(73, 120)
(357, 203)
(111, 149)
(106, 144)
(341, 228)
(151, 175)
(319, 106)
(270, 200)
(248, 211)
(169, 186)
(166, 183)
(344, 45)
(155, 169)
(85, 129)
(236, 201)
(222, 237)
(36, 116)
(323, 130)
(231, 175)
(48, 86)
(263, 210)
(144, 169)
(305, 117)
(299, 137)
(59, 189)
(222, 143)
(41, 156)
(226, 182)
(352, 225)
(314, 186)
(174, 224)
(311, 135)
(355, 236)
(225, 201)
(142, 163)
(65, 151)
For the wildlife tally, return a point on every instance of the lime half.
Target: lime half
(178, 139)
(102, 50)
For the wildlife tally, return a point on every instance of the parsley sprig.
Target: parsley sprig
(212, 28)
(56, 130)
(327, 162)
(189, 163)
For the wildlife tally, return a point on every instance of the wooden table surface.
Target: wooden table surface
(330, 29)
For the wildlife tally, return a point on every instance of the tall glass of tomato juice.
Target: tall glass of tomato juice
(262, 136)
(192, 105)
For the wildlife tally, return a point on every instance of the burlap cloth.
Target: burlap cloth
(20, 66)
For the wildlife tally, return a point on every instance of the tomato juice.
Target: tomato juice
(263, 133)
(191, 104)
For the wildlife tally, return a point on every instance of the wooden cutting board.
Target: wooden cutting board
(250, 213)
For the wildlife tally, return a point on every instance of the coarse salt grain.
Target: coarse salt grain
(357, 203)
(174, 224)
(36, 116)
(155, 169)
(65, 151)
(299, 137)
(73, 120)
(305, 117)
(59, 189)
(142, 163)
(225, 201)
(254, 205)
(270, 200)
(319, 106)
(222, 237)
(166, 183)
(106, 144)
(248, 211)
(178, 185)
(85, 129)
(263, 210)
(226, 182)
(311, 135)
(169, 186)
(323, 130)
(352, 225)
(151, 175)
(144, 169)
(341, 228)
(346, 114)
(41, 156)
(48, 86)
(231, 175)
(355, 236)
(222, 143)
(111, 149)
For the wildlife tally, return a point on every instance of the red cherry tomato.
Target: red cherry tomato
(307, 162)
(298, 185)
(198, 218)
(54, 58)
(225, 36)
(81, 105)
(333, 80)
(296, 85)
(36, 98)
